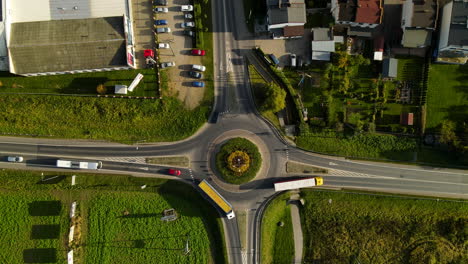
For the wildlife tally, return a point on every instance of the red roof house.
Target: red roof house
(369, 11)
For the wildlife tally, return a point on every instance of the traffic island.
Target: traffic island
(238, 161)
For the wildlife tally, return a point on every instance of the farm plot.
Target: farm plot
(116, 221)
(349, 227)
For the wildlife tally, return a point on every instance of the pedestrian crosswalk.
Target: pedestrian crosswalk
(127, 159)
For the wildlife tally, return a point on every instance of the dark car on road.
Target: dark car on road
(161, 22)
(195, 74)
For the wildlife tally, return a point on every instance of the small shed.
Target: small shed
(120, 89)
(389, 68)
(406, 119)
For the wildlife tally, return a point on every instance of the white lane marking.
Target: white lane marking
(143, 168)
(404, 168)
(332, 164)
(191, 175)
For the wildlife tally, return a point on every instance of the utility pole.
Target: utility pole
(187, 249)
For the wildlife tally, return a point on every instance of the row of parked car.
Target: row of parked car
(196, 70)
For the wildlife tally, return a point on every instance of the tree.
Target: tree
(101, 89)
(275, 99)
(447, 133)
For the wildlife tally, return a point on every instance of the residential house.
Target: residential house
(286, 18)
(323, 43)
(418, 21)
(453, 33)
(358, 13)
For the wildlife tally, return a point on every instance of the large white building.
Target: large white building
(43, 37)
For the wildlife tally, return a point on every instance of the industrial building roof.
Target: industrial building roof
(59, 46)
(44, 10)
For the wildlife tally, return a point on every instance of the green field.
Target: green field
(277, 244)
(119, 222)
(124, 120)
(447, 94)
(82, 83)
(358, 228)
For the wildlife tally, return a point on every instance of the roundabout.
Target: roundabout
(238, 160)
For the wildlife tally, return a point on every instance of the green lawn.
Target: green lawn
(277, 244)
(83, 83)
(345, 228)
(124, 120)
(105, 233)
(447, 94)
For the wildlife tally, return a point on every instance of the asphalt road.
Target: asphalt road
(233, 102)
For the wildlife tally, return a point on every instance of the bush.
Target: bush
(224, 166)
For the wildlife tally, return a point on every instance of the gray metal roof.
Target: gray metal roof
(458, 27)
(286, 11)
(390, 68)
(322, 34)
(57, 46)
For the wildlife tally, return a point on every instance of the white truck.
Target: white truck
(299, 183)
(85, 165)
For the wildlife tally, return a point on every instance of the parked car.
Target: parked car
(161, 10)
(167, 64)
(174, 172)
(161, 22)
(198, 84)
(160, 2)
(274, 59)
(187, 24)
(198, 52)
(163, 30)
(189, 33)
(293, 60)
(195, 74)
(188, 16)
(186, 8)
(15, 159)
(198, 67)
(163, 45)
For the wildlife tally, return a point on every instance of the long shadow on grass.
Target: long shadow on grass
(139, 243)
(40, 255)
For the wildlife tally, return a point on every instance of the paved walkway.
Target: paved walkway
(297, 230)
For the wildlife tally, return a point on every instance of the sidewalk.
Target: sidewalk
(297, 230)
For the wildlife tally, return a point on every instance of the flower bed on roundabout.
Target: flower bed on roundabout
(238, 161)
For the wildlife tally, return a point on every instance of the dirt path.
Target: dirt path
(297, 230)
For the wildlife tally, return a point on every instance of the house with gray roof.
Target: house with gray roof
(323, 43)
(418, 21)
(286, 18)
(389, 68)
(453, 33)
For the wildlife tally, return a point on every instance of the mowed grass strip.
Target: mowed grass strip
(107, 234)
(81, 83)
(344, 227)
(277, 243)
(447, 94)
(99, 118)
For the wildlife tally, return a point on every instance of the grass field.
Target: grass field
(83, 83)
(277, 244)
(350, 228)
(447, 94)
(107, 235)
(124, 120)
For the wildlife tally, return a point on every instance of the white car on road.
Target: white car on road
(198, 67)
(167, 64)
(186, 8)
(163, 45)
(15, 159)
(187, 24)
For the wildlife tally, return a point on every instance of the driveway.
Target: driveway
(281, 48)
(179, 81)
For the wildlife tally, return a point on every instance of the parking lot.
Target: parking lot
(180, 83)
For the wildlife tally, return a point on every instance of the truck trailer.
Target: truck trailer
(299, 183)
(85, 165)
(217, 198)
